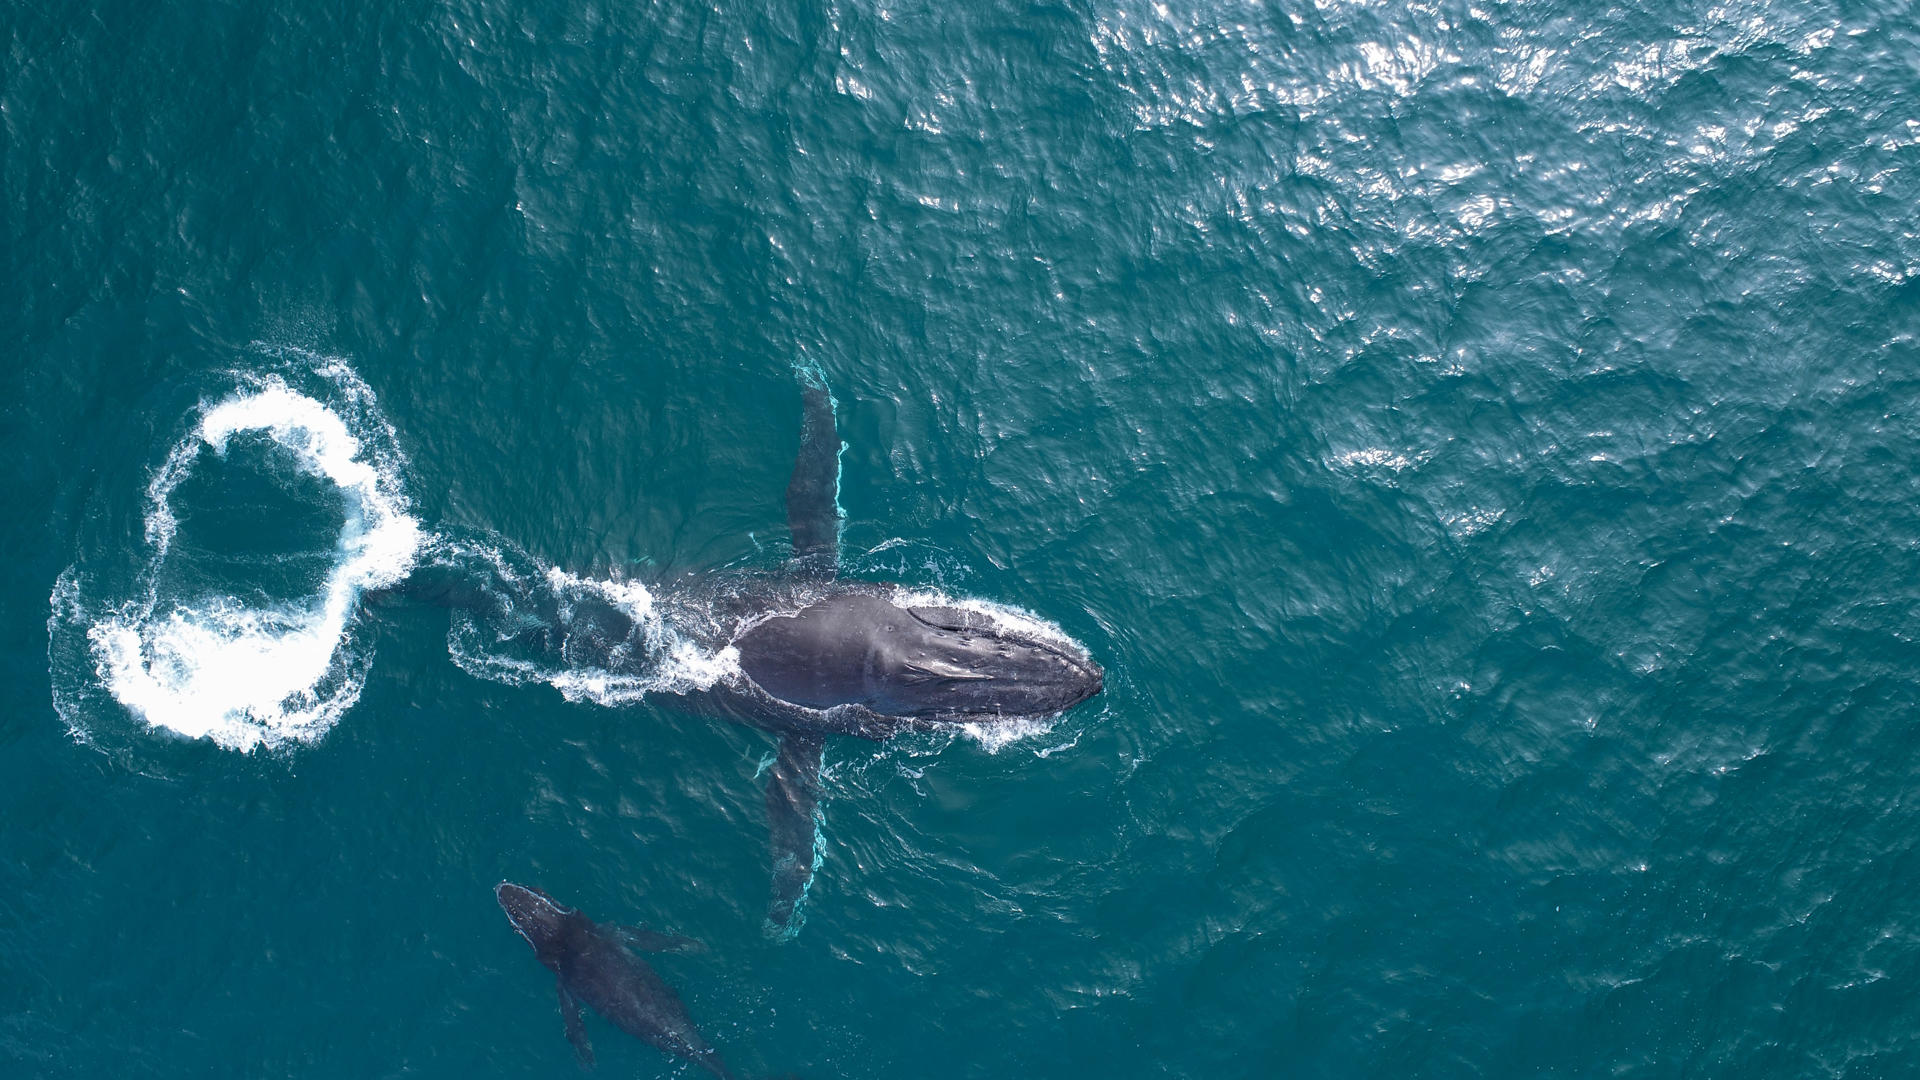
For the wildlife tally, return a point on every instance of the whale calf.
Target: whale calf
(597, 965)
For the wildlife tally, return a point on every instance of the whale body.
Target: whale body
(870, 660)
(598, 966)
(818, 654)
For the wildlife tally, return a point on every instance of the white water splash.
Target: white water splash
(996, 735)
(212, 666)
(576, 657)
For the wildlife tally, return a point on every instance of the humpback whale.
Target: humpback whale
(817, 654)
(596, 965)
(867, 659)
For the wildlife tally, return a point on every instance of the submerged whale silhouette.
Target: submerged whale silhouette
(596, 965)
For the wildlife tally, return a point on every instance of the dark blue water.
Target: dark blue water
(1477, 439)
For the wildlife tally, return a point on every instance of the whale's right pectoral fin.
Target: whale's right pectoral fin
(813, 495)
(793, 814)
(576, 1028)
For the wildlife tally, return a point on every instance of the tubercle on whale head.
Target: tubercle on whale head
(977, 662)
(976, 677)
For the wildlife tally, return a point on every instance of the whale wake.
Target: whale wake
(250, 662)
(213, 631)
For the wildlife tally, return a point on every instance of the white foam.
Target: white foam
(996, 735)
(629, 596)
(605, 673)
(213, 667)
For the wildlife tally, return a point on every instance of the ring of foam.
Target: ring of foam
(246, 677)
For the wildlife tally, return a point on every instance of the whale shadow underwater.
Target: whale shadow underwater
(817, 654)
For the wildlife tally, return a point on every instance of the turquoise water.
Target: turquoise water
(1477, 440)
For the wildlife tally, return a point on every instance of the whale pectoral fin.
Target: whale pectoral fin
(793, 815)
(576, 1028)
(639, 937)
(813, 494)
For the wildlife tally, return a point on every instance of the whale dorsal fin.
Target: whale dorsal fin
(813, 495)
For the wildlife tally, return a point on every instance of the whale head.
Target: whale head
(968, 664)
(538, 917)
(900, 657)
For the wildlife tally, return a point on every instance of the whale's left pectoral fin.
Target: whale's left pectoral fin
(643, 940)
(793, 815)
(576, 1028)
(813, 494)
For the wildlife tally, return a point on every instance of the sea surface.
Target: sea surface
(1480, 440)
